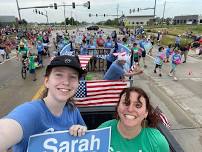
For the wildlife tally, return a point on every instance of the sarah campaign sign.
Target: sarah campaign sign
(61, 141)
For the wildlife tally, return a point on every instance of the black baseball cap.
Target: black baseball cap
(68, 61)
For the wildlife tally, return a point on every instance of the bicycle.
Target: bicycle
(24, 67)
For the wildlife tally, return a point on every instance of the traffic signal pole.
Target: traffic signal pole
(18, 10)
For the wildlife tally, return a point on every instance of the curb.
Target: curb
(39, 93)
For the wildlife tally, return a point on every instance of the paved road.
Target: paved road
(181, 101)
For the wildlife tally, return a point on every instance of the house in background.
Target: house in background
(7, 20)
(188, 19)
(138, 20)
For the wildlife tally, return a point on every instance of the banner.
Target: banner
(97, 140)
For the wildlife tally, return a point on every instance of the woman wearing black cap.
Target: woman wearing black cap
(54, 112)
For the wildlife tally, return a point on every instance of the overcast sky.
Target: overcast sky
(173, 8)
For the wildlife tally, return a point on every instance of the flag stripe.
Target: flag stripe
(95, 104)
(84, 59)
(100, 92)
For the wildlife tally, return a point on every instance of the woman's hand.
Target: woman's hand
(77, 130)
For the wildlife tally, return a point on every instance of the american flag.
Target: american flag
(122, 53)
(84, 59)
(163, 117)
(99, 92)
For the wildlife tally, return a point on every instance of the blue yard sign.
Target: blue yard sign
(61, 141)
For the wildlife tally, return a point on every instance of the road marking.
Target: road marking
(150, 56)
(8, 59)
(39, 93)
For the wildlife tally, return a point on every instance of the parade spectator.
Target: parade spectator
(142, 45)
(175, 60)
(56, 111)
(184, 51)
(32, 65)
(40, 51)
(134, 128)
(45, 43)
(148, 46)
(177, 41)
(159, 37)
(125, 41)
(136, 53)
(114, 35)
(159, 60)
(168, 53)
(116, 70)
(23, 51)
(108, 43)
(100, 41)
(8, 46)
(92, 51)
(24, 40)
(110, 57)
(2, 49)
(83, 48)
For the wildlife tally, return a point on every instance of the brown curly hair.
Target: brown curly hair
(152, 117)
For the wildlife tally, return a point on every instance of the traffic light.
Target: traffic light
(73, 5)
(90, 15)
(55, 6)
(104, 15)
(88, 4)
(96, 15)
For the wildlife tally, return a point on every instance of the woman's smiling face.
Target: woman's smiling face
(62, 83)
(132, 114)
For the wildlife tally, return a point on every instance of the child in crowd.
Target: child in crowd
(159, 60)
(40, 50)
(168, 53)
(136, 53)
(32, 65)
(176, 59)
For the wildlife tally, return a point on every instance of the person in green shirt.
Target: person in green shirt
(136, 53)
(134, 129)
(22, 52)
(32, 66)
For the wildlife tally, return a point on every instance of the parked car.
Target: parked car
(93, 27)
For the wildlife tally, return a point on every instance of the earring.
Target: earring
(145, 123)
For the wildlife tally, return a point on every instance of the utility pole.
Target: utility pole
(164, 9)
(65, 20)
(71, 18)
(155, 9)
(47, 16)
(117, 9)
(18, 10)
